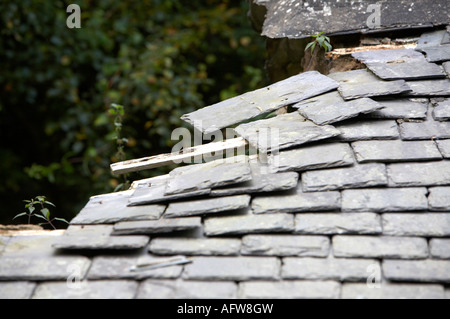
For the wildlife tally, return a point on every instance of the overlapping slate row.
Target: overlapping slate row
(368, 130)
(402, 109)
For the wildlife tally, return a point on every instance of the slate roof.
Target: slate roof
(359, 189)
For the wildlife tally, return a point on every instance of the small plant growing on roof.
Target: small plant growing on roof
(40, 202)
(322, 42)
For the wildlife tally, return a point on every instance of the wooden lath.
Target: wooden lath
(170, 158)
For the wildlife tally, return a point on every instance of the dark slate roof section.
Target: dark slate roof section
(300, 19)
(362, 187)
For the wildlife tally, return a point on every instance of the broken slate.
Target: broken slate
(249, 105)
(331, 107)
(283, 131)
(363, 83)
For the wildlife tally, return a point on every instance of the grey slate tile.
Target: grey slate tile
(238, 109)
(359, 176)
(299, 202)
(430, 39)
(368, 130)
(31, 246)
(439, 198)
(424, 130)
(153, 191)
(444, 147)
(338, 223)
(208, 175)
(341, 269)
(106, 289)
(441, 111)
(289, 290)
(262, 181)
(118, 267)
(422, 225)
(419, 174)
(233, 269)
(417, 270)
(395, 151)
(384, 200)
(101, 242)
(195, 246)
(396, 64)
(380, 247)
(313, 157)
(157, 226)
(438, 54)
(429, 88)
(16, 289)
(249, 224)
(283, 131)
(285, 245)
(206, 206)
(169, 289)
(3, 242)
(446, 66)
(392, 291)
(402, 109)
(331, 107)
(363, 83)
(440, 248)
(112, 208)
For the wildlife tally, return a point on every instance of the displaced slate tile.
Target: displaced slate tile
(444, 147)
(341, 269)
(262, 181)
(417, 270)
(207, 206)
(285, 245)
(232, 268)
(153, 191)
(402, 109)
(380, 247)
(384, 200)
(220, 172)
(106, 289)
(289, 290)
(16, 289)
(438, 54)
(299, 202)
(112, 208)
(368, 130)
(265, 100)
(395, 151)
(339, 223)
(405, 64)
(424, 130)
(358, 176)
(429, 88)
(195, 246)
(168, 289)
(157, 226)
(36, 268)
(440, 248)
(422, 225)
(283, 131)
(392, 291)
(363, 83)
(442, 110)
(313, 157)
(112, 267)
(331, 107)
(430, 39)
(248, 224)
(439, 198)
(101, 242)
(419, 174)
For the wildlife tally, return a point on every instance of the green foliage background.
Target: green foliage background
(160, 59)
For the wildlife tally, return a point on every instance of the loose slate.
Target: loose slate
(197, 177)
(441, 111)
(206, 206)
(156, 226)
(247, 106)
(283, 131)
(438, 54)
(331, 107)
(111, 208)
(402, 109)
(405, 64)
(362, 83)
